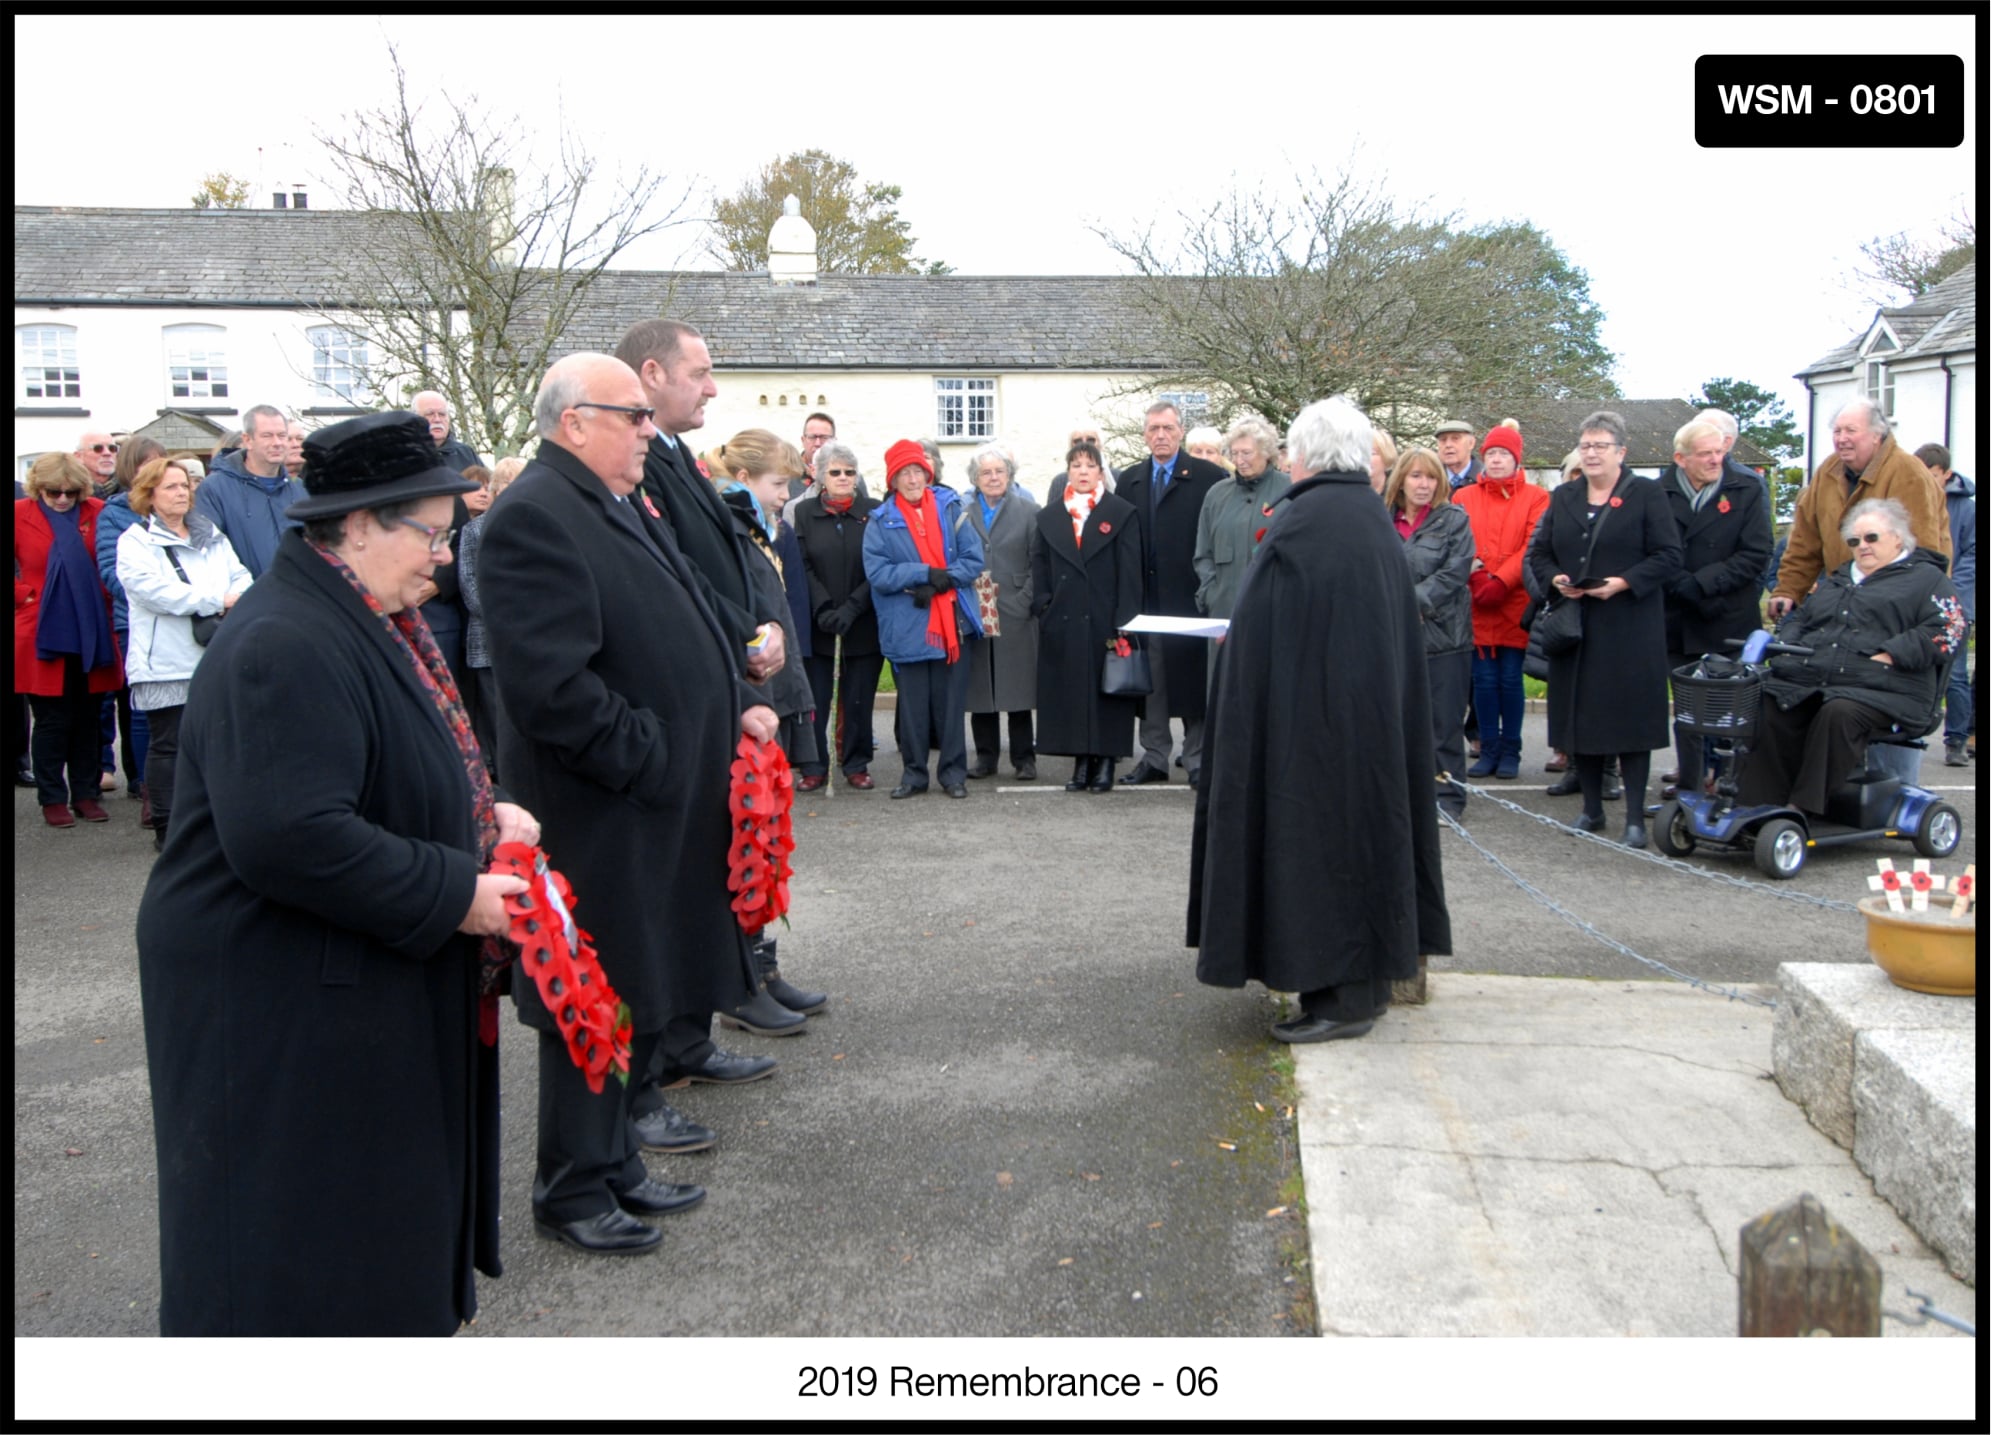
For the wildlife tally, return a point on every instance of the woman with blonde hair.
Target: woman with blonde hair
(1437, 539)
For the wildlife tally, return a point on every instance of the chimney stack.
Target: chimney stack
(793, 247)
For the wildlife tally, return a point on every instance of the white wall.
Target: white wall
(1920, 410)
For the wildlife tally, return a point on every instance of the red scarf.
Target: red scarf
(1080, 507)
(836, 505)
(929, 538)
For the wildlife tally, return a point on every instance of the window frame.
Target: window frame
(964, 392)
(215, 359)
(1878, 382)
(326, 340)
(70, 381)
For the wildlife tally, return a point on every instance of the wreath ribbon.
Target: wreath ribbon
(557, 954)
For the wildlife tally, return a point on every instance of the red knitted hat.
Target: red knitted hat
(904, 452)
(1503, 435)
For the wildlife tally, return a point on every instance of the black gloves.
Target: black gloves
(828, 620)
(1686, 589)
(922, 594)
(942, 580)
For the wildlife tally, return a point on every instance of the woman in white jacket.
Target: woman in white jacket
(175, 567)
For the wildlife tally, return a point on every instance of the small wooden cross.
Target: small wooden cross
(1966, 889)
(1920, 885)
(1889, 884)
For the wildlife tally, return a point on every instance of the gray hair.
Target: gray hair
(1202, 433)
(263, 411)
(930, 448)
(1258, 430)
(1331, 435)
(1895, 518)
(1722, 419)
(1164, 406)
(984, 452)
(563, 387)
(1877, 420)
(832, 450)
(1604, 421)
(1695, 430)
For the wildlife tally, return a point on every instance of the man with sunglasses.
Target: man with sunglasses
(246, 494)
(98, 453)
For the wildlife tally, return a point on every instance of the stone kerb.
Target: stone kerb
(1822, 1008)
(1916, 1132)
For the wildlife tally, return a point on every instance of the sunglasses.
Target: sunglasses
(1855, 540)
(633, 415)
(843, 473)
(62, 493)
(101, 448)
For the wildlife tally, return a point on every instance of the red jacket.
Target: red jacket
(1504, 513)
(43, 677)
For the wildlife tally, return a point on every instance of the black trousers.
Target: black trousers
(65, 743)
(165, 727)
(1020, 737)
(859, 673)
(1803, 754)
(1633, 768)
(17, 731)
(1351, 1001)
(930, 713)
(585, 1149)
(1450, 674)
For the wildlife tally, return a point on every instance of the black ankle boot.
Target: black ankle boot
(1100, 773)
(1079, 779)
(764, 956)
(761, 1013)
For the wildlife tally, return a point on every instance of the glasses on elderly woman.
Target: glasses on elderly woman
(843, 473)
(53, 493)
(438, 538)
(1855, 540)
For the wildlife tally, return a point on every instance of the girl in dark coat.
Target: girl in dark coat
(318, 1003)
(830, 522)
(1088, 581)
(1608, 695)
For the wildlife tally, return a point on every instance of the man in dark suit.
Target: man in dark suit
(1167, 489)
(678, 377)
(621, 705)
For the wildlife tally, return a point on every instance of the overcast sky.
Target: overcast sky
(1011, 137)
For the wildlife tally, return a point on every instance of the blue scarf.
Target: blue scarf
(73, 618)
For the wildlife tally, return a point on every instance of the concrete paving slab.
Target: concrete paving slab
(1544, 1156)
(1917, 1133)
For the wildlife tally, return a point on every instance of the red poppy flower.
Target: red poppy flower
(647, 499)
(1722, 505)
(1617, 503)
(1258, 536)
(760, 800)
(560, 957)
(1104, 527)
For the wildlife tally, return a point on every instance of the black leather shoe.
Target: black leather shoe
(1567, 785)
(1319, 1028)
(1101, 769)
(1587, 823)
(611, 1233)
(670, 1131)
(1079, 779)
(906, 790)
(954, 789)
(723, 1068)
(763, 1015)
(1144, 772)
(982, 768)
(24, 777)
(1024, 771)
(1635, 835)
(658, 1198)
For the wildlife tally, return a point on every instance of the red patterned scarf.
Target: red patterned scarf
(408, 630)
(929, 537)
(1079, 506)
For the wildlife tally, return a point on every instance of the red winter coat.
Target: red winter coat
(1504, 513)
(43, 677)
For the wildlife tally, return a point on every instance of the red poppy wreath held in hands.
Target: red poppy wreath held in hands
(760, 851)
(596, 1025)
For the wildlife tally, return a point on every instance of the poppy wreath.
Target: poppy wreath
(596, 1025)
(760, 851)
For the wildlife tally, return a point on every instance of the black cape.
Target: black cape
(1315, 837)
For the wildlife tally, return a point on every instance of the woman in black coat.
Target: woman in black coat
(1437, 539)
(1087, 564)
(830, 522)
(317, 1000)
(1608, 695)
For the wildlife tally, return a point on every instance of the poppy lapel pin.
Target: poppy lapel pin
(1722, 505)
(1617, 503)
(1104, 527)
(647, 499)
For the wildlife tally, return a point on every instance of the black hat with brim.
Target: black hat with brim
(371, 462)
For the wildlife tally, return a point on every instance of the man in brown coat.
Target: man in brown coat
(1866, 462)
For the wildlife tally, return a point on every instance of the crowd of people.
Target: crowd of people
(566, 650)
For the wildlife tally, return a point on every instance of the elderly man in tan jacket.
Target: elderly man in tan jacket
(1866, 462)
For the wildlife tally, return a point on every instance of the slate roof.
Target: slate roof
(1549, 430)
(1943, 321)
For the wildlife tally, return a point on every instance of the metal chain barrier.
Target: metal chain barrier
(1658, 859)
(1582, 926)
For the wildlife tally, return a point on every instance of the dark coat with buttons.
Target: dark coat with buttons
(1908, 609)
(1082, 594)
(1725, 549)
(621, 710)
(1168, 530)
(327, 1118)
(693, 512)
(837, 588)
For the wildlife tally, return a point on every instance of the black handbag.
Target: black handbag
(1558, 624)
(1127, 671)
(203, 624)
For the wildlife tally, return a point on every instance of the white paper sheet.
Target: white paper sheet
(1179, 627)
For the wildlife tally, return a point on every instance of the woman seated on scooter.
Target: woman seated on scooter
(1881, 630)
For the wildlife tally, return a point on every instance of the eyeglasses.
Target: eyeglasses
(99, 448)
(1855, 540)
(1595, 447)
(440, 538)
(633, 415)
(843, 473)
(62, 493)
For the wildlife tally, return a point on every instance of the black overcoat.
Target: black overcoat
(327, 1118)
(621, 712)
(836, 583)
(1315, 834)
(1167, 534)
(1725, 550)
(1609, 693)
(706, 536)
(1081, 596)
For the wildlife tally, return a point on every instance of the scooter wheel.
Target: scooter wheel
(1781, 848)
(1937, 831)
(1671, 833)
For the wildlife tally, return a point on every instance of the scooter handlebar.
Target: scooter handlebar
(1760, 643)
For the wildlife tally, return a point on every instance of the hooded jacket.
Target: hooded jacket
(247, 510)
(889, 554)
(1504, 512)
(161, 646)
(111, 525)
(1961, 504)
